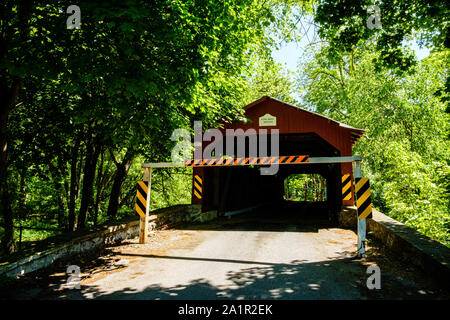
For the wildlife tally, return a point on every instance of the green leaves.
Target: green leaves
(134, 72)
(343, 24)
(406, 155)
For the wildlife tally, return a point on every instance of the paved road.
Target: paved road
(239, 264)
(239, 259)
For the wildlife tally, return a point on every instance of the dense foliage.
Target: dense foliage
(365, 76)
(305, 187)
(406, 149)
(344, 23)
(81, 109)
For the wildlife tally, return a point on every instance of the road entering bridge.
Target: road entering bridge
(246, 257)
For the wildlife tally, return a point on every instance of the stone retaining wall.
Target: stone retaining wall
(408, 244)
(94, 240)
(108, 235)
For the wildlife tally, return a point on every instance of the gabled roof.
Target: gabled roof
(356, 133)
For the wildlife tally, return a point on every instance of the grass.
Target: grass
(37, 240)
(30, 237)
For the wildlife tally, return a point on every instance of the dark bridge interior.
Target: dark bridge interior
(233, 188)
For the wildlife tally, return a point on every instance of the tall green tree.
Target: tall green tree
(406, 151)
(267, 78)
(133, 72)
(344, 24)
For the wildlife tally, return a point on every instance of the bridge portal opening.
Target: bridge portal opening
(234, 188)
(305, 188)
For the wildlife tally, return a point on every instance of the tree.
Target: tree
(133, 72)
(267, 78)
(407, 151)
(344, 25)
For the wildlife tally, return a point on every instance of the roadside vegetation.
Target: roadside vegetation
(82, 109)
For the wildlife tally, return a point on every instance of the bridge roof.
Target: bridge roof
(356, 133)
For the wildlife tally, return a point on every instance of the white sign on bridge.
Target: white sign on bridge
(267, 120)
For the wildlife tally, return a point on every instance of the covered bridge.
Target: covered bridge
(301, 132)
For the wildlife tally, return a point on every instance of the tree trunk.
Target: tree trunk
(92, 155)
(128, 198)
(7, 104)
(119, 179)
(99, 187)
(73, 185)
(79, 175)
(8, 237)
(57, 176)
(306, 190)
(8, 96)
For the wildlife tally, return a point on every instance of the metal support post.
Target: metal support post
(361, 222)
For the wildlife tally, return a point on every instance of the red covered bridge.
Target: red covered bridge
(301, 132)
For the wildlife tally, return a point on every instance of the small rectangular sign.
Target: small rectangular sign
(267, 120)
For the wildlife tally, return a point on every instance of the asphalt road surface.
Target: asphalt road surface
(241, 258)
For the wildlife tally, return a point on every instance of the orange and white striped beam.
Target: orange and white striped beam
(252, 161)
(246, 161)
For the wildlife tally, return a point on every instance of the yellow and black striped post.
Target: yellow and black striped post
(141, 198)
(359, 182)
(346, 187)
(198, 186)
(143, 204)
(363, 201)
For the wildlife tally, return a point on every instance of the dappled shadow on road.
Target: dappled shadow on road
(48, 281)
(198, 259)
(264, 219)
(333, 279)
(339, 277)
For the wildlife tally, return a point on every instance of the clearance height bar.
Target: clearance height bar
(246, 161)
(252, 161)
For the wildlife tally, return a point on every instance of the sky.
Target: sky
(290, 53)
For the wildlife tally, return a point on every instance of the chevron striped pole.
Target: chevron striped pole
(198, 186)
(361, 252)
(143, 204)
